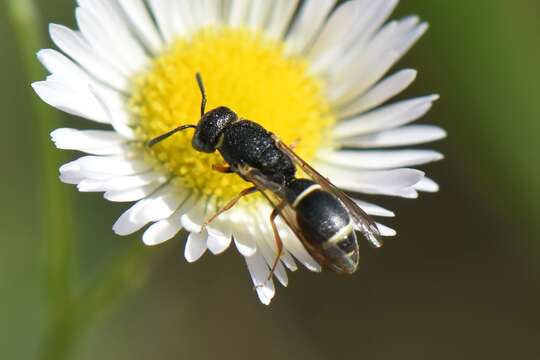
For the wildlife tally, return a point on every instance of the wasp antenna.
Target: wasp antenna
(203, 92)
(162, 137)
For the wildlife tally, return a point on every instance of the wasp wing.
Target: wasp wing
(276, 197)
(363, 221)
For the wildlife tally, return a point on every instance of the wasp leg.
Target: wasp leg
(277, 238)
(224, 169)
(230, 204)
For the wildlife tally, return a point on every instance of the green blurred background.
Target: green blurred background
(459, 281)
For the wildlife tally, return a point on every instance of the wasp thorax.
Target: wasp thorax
(211, 127)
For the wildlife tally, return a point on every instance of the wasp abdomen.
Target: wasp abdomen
(322, 217)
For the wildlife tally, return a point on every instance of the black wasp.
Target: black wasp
(320, 215)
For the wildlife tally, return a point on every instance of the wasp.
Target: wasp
(322, 217)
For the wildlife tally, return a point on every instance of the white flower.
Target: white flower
(312, 74)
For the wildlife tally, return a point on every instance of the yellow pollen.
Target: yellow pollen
(241, 70)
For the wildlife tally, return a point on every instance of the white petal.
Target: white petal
(59, 64)
(270, 257)
(126, 225)
(142, 24)
(378, 159)
(311, 18)
(217, 244)
(338, 26)
(112, 34)
(398, 182)
(405, 135)
(112, 165)
(238, 12)
(166, 229)
(98, 38)
(75, 46)
(387, 117)
(130, 195)
(162, 204)
(259, 13)
(119, 183)
(68, 89)
(386, 231)
(359, 82)
(259, 272)
(380, 93)
(118, 119)
(195, 246)
(282, 13)
(296, 248)
(72, 101)
(162, 10)
(193, 220)
(72, 173)
(72, 139)
(383, 52)
(268, 236)
(374, 210)
(323, 58)
(162, 231)
(219, 232)
(427, 185)
(132, 181)
(183, 18)
(245, 237)
(206, 12)
(408, 40)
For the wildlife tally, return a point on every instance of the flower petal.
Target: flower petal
(282, 13)
(219, 233)
(245, 236)
(401, 136)
(259, 271)
(162, 231)
(126, 225)
(378, 159)
(295, 247)
(77, 48)
(142, 24)
(89, 141)
(64, 97)
(323, 58)
(259, 14)
(193, 220)
(195, 246)
(129, 195)
(386, 231)
(365, 64)
(374, 210)
(339, 25)
(397, 182)
(112, 165)
(427, 185)
(380, 93)
(101, 36)
(238, 12)
(387, 117)
(311, 18)
(166, 229)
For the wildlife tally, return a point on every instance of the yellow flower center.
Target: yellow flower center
(241, 70)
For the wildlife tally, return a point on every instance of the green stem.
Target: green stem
(127, 272)
(69, 315)
(55, 202)
(55, 205)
